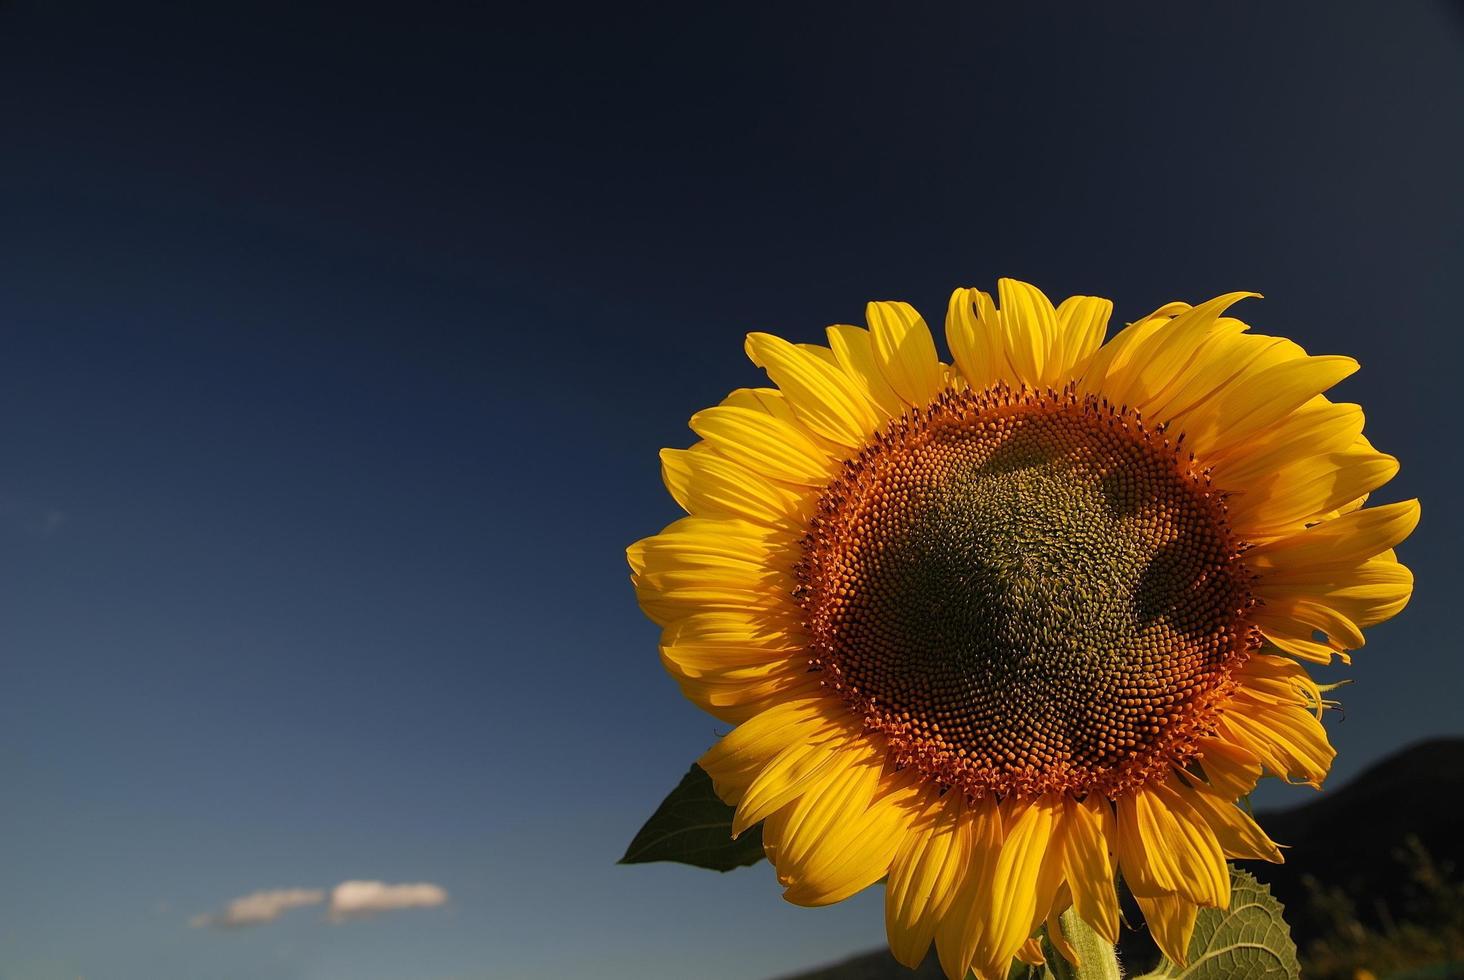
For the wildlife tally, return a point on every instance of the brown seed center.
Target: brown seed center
(1026, 592)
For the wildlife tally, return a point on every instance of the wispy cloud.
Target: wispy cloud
(258, 908)
(358, 899)
(28, 518)
(348, 900)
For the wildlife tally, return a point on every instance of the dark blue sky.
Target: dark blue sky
(338, 346)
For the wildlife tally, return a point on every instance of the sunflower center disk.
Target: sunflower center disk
(1026, 593)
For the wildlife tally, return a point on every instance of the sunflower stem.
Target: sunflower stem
(1097, 959)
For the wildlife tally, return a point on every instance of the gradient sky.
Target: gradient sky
(338, 346)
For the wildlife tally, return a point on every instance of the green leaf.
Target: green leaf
(694, 826)
(1249, 940)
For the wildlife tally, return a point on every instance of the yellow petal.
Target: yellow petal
(1164, 358)
(974, 335)
(765, 445)
(1111, 363)
(1232, 770)
(1165, 847)
(1030, 953)
(707, 485)
(1319, 427)
(1171, 922)
(854, 350)
(1014, 887)
(1087, 867)
(1347, 540)
(1365, 594)
(848, 792)
(961, 932)
(667, 596)
(1277, 680)
(1287, 498)
(1298, 615)
(784, 779)
(822, 396)
(1303, 649)
(724, 673)
(821, 352)
(689, 660)
(1289, 741)
(1239, 836)
(737, 701)
(700, 569)
(709, 640)
(734, 762)
(737, 628)
(726, 537)
(1256, 401)
(1232, 359)
(1031, 333)
(1081, 323)
(924, 878)
(771, 401)
(695, 560)
(1050, 875)
(858, 850)
(905, 352)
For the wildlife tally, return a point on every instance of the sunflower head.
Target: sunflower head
(996, 630)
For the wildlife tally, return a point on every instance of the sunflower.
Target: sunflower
(997, 630)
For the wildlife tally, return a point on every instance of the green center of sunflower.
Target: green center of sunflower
(1026, 593)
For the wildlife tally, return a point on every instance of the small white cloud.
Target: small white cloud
(25, 517)
(358, 899)
(259, 907)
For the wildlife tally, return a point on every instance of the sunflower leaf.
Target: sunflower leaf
(693, 826)
(1250, 939)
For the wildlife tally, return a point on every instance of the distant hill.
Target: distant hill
(876, 965)
(1348, 838)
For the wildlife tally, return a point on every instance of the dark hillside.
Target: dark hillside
(1351, 838)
